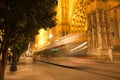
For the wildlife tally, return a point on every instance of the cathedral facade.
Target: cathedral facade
(103, 28)
(97, 20)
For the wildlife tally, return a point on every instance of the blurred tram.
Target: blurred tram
(64, 48)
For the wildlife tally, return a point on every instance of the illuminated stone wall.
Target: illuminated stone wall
(78, 19)
(63, 19)
(97, 20)
(103, 27)
(71, 17)
(41, 39)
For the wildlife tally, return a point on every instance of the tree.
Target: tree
(18, 47)
(26, 17)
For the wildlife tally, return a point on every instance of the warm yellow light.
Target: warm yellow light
(50, 36)
(35, 45)
(42, 38)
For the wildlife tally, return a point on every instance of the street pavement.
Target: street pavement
(75, 62)
(26, 70)
(29, 70)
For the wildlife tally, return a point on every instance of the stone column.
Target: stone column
(100, 44)
(107, 27)
(110, 54)
(89, 34)
(65, 16)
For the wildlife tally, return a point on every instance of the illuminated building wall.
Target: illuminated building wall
(63, 27)
(97, 20)
(103, 27)
(42, 38)
(71, 18)
(78, 18)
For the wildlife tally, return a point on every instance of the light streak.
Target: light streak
(79, 46)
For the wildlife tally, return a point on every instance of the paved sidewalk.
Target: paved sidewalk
(28, 70)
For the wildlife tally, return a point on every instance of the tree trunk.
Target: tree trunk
(18, 58)
(14, 63)
(3, 53)
(1, 72)
(3, 63)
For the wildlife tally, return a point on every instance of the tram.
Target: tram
(73, 49)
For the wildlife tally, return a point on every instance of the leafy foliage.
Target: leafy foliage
(26, 17)
(20, 21)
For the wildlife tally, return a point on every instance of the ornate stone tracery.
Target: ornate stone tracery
(97, 20)
(79, 18)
